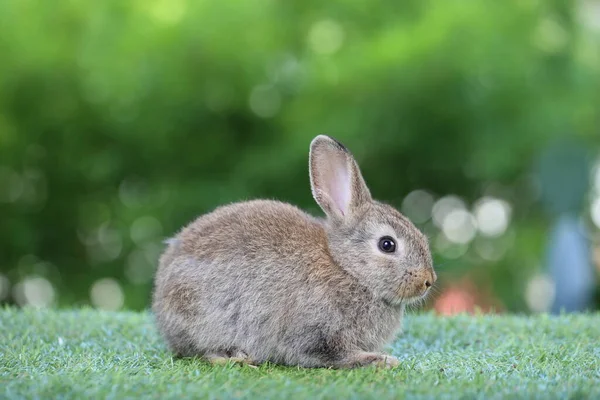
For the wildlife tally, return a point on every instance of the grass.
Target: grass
(90, 354)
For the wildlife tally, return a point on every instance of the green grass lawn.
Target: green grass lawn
(89, 354)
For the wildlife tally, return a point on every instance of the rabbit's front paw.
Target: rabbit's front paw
(386, 361)
(223, 358)
(366, 359)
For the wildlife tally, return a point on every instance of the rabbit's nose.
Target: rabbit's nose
(431, 280)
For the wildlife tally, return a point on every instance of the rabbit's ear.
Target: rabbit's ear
(337, 184)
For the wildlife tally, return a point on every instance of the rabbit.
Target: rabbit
(262, 281)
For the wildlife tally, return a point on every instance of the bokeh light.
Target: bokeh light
(595, 211)
(4, 287)
(107, 294)
(417, 206)
(133, 191)
(589, 13)
(550, 36)
(142, 262)
(445, 206)
(493, 249)
(11, 185)
(459, 226)
(539, 293)
(449, 249)
(167, 12)
(596, 178)
(326, 37)
(493, 216)
(34, 291)
(144, 229)
(105, 244)
(456, 302)
(265, 101)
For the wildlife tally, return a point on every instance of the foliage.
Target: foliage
(121, 121)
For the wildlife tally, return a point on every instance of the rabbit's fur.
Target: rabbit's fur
(263, 281)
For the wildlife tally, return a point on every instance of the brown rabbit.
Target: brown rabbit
(263, 281)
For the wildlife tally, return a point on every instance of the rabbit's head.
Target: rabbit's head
(370, 240)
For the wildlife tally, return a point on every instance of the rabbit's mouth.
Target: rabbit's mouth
(402, 300)
(417, 299)
(413, 297)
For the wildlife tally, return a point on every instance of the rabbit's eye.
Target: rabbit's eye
(387, 244)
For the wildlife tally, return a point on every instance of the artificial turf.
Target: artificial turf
(77, 354)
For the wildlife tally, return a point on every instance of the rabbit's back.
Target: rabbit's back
(255, 230)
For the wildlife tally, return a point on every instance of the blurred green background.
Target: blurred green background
(122, 121)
